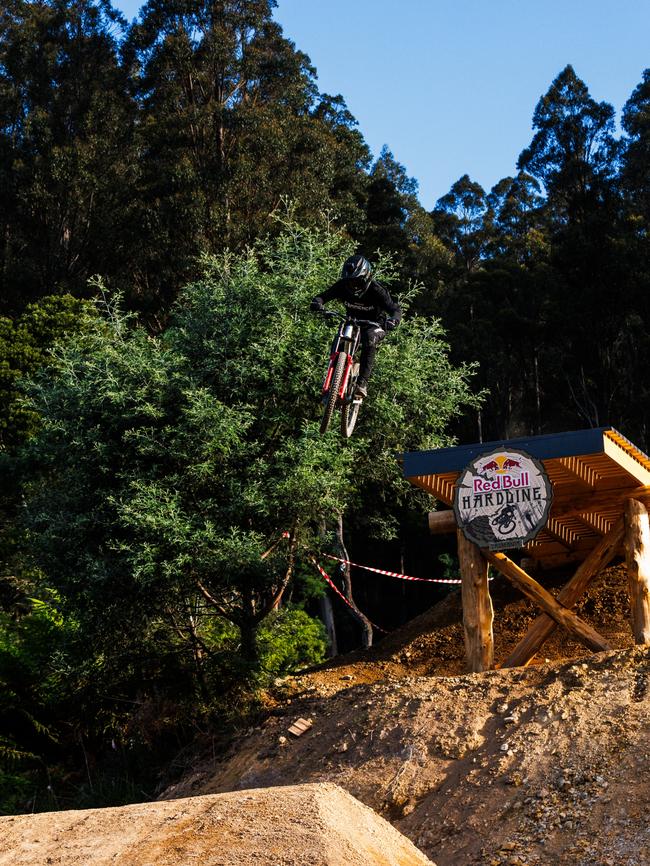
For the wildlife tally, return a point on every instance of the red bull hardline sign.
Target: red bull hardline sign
(502, 499)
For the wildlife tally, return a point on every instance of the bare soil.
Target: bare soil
(548, 764)
(320, 825)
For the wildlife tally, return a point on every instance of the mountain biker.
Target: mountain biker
(364, 298)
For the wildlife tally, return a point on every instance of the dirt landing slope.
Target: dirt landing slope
(320, 825)
(536, 766)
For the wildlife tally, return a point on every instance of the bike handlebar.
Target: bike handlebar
(332, 314)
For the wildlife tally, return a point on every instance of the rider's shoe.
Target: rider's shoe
(361, 388)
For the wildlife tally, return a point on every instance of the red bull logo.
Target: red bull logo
(500, 464)
(501, 472)
(501, 482)
(509, 463)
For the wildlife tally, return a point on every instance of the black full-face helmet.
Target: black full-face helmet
(358, 272)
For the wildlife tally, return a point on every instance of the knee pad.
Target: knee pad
(374, 336)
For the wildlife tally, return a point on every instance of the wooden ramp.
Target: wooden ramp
(601, 487)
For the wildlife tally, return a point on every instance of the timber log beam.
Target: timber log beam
(544, 625)
(637, 554)
(542, 598)
(477, 606)
(441, 522)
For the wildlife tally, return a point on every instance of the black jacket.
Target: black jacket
(375, 303)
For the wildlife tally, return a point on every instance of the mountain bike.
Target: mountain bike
(342, 374)
(505, 520)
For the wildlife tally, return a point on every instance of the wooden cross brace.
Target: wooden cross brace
(632, 531)
(477, 606)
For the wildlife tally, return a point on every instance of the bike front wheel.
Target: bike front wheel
(350, 411)
(332, 394)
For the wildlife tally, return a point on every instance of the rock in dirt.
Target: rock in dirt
(317, 824)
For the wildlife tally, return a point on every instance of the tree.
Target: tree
(574, 155)
(572, 152)
(516, 217)
(173, 465)
(65, 126)
(231, 123)
(25, 344)
(459, 219)
(635, 169)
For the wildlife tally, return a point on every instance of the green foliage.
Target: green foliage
(31, 690)
(166, 468)
(159, 466)
(64, 127)
(289, 639)
(25, 344)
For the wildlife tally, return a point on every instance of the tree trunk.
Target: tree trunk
(197, 652)
(327, 615)
(248, 629)
(248, 644)
(366, 625)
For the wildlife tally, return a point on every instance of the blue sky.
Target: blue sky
(450, 85)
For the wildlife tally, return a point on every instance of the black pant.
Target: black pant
(371, 337)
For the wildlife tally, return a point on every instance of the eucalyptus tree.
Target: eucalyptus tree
(574, 154)
(573, 150)
(65, 122)
(635, 169)
(231, 123)
(459, 219)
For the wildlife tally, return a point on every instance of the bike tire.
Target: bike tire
(350, 411)
(332, 394)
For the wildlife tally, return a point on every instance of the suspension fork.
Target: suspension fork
(330, 371)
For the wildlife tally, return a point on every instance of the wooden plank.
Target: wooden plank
(441, 522)
(578, 469)
(637, 554)
(440, 486)
(477, 606)
(589, 502)
(542, 598)
(627, 456)
(300, 726)
(544, 625)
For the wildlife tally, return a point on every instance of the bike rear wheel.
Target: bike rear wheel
(332, 394)
(350, 410)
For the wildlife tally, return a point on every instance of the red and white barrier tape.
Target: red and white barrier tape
(444, 580)
(329, 580)
(395, 573)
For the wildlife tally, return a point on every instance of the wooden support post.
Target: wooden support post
(543, 626)
(637, 554)
(562, 615)
(477, 606)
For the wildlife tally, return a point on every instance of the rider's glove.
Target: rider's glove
(316, 305)
(390, 324)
